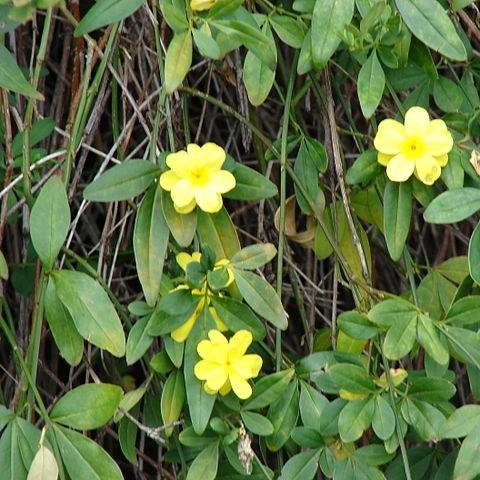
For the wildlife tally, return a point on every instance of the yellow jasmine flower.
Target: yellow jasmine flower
(196, 178)
(225, 366)
(420, 146)
(181, 333)
(199, 5)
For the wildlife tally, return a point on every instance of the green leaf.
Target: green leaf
(44, 466)
(302, 466)
(350, 377)
(447, 95)
(400, 339)
(106, 12)
(288, 29)
(251, 37)
(258, 76)
(150, 242)
(122, 182)
(355, 417)
(41, 129)
(268, 389)
(173, 397)
(397, 212)
(205, 464)
(88, 406)
(305, 61)
(237, 316)
(383, 420)
(138, 341)
(424, 418)
(307, 174)
(182, 227)
(429, 340)
(83, 458)
(474, 254)
(328, 21)
(178, 60)
(206, 45)
(356, 325)
(464, 343)
(49, 221)
(370, 85)
(250, 185)
(467, 465)
(254, 256)
(174, 14)
(312, 403)
(127, 436)
(257, 424)
(453, 206)
(200, 403)
(432, 390)
(64, 332)
(429, 22)
(464, 312)
(91, 310)
(218, 232)
(461, 422)
(283, 414)
(11, 77)
(261, 297)
(364, 169)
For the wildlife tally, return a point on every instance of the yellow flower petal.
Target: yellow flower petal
(203, 368)
(187, 208)
(217, 338)
(383, 158)
(209, 390)
(427, 170)
(168, 180)
(178, 162)
(222, 181)
(213, 156)
(442, 160)
(390, 137)
(400, 168)
(196, 256)
(239, 343)
(438, 139)
(182, 194)
(225, 390)
(218, 322)
(214, 353)
(181, 333)
(217, 378)
(183, 259)
(417, 121)
(247, 366)
(200, 5)
(240, 386)
(208, 200)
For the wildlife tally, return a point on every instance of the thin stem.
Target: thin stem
(27, 184)
(283, 197)
(409, 269)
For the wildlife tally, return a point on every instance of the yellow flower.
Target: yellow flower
(196, 178)
(420, 146)
(199, 5)
(224, 365)
(181, 333)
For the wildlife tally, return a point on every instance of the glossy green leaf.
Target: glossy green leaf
(49, 221)
(400, 339)
(432, 390)
(11, 77)
(91, 310)
(453, 206)
(364, 169)
(288, 29)
(447, 94)
(397, 213)
(467, 465)
(257, 424)
(357, 325)
(302, 466)
(261, 297)
(254, 256)
(424, 418)
(461, 422)
(122, 182)
(429, 22)
(182, 227)
(150, 242)
(351, 377)
(355, 417)
(173, 397)
(83, 458)
(205, 464)
(88, 406)
(383, 420)
(474, 254)
(328, 21)
(138, 341)
(429, 340)
(465, 311)
(370, 85)
(312, 403)
(250, 185)
(178, 60)
(65, 334)
(106, 12)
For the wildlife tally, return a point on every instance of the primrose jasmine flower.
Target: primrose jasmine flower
(196, 178)
(420, 146)
(199, 5)
(225, 366)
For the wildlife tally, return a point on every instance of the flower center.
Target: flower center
(413, 147)
(198, 176)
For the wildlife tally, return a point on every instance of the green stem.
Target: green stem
(283, 197)
(27, 124)
(409, 269)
